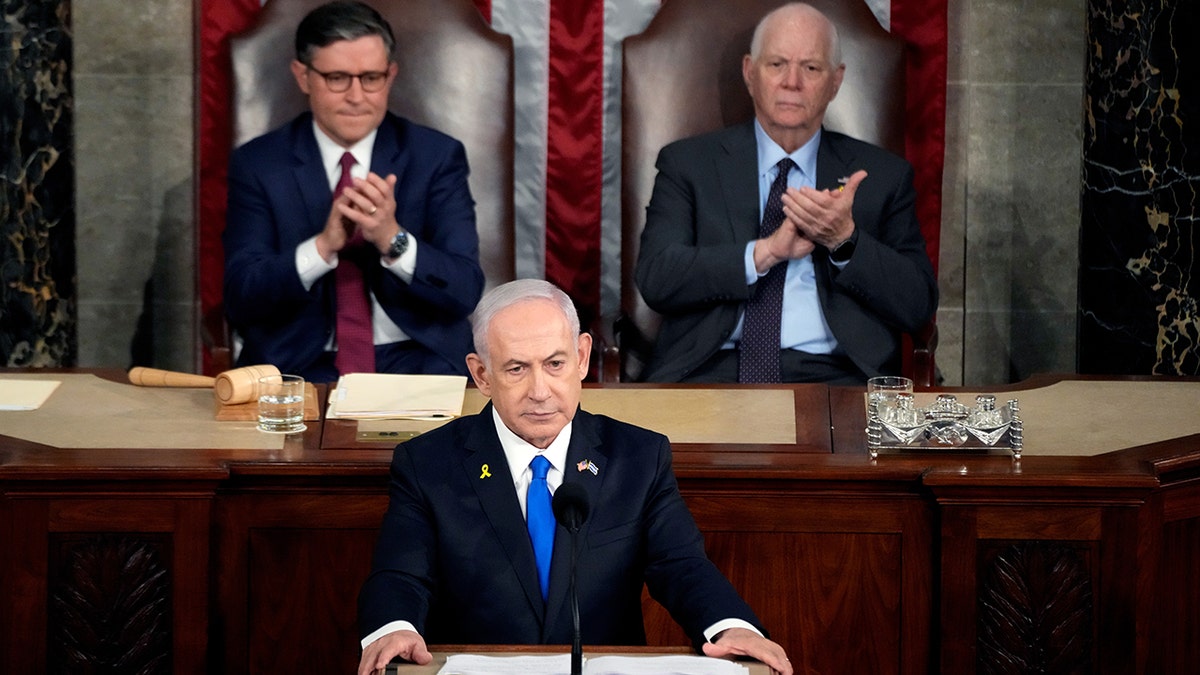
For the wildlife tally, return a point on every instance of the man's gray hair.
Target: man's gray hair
(512, 293)
(835, 42)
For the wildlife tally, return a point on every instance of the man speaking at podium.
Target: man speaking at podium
(460, 559)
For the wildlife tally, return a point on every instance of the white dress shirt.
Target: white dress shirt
(311, 266)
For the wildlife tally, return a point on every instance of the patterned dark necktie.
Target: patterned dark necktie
(758, 360)
(539, 518)
(355, 338)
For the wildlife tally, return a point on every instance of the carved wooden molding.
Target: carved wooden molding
(110, 606)
(1035, 612)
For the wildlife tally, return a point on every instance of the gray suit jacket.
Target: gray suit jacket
(703, 211)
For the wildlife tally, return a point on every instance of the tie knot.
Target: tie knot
(784, 165)
(540, 466)
(347, 161)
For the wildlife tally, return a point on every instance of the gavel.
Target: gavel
(231, 387)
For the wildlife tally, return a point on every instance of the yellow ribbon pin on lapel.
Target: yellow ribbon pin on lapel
(486, 473)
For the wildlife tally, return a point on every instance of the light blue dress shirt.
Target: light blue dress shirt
(804, 327)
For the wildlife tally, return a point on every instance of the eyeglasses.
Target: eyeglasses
(338, 81)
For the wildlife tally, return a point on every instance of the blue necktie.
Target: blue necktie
(758, 360)
(540, 519)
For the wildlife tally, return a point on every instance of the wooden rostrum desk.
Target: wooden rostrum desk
(240, 552)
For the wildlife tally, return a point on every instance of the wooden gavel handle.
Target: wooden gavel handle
(153, 377)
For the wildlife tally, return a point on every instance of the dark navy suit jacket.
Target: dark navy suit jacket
(454, 556)
(703, 211)
(279, 196)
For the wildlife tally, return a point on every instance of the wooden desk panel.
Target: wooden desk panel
(119, 574)
(841, 577)
(291, 563)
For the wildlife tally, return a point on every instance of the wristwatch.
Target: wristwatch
(842, 252)
(398, 246)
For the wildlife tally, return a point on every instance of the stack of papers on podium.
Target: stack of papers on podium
(560, 664)
(385, 396)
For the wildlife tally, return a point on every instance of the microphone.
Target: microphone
(570, 505)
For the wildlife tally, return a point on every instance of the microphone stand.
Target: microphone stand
(577, 642)
(570, 505)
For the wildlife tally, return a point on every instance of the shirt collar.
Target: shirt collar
(769, 154)
(520, 453)
(331, 154)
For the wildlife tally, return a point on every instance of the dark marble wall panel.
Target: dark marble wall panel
(37, 215)
(1140, 273)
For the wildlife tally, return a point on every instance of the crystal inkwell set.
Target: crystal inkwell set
(896, 422)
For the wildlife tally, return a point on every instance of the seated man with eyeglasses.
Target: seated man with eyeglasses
(350, 240)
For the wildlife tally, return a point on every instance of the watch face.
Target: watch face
(843, 251)
(399, 244)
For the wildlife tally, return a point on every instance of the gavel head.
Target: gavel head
(240, 385)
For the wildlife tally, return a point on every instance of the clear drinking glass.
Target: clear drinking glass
(884, 390)
(281, 404)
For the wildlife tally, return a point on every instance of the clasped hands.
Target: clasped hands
(368, 206)
(811, 217)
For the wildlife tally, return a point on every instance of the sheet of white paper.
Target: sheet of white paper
(25, 394)
(680, 664)
(560, 664)
(476, 664)
(383, 395)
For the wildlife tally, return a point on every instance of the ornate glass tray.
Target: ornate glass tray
(896, 423)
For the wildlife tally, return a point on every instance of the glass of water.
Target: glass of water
(885, 389)
(281, 404)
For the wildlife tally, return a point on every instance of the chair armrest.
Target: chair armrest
(619, 349)
(216, 337)
(606, 354)
(922, 368)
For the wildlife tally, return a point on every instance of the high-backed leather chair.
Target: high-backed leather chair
(456, 75)
(682, 76)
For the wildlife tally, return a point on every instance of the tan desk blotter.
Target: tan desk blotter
(1087, 417)
(683, 415)
(248, 412)
(90, 412)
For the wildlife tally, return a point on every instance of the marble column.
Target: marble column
(37, 213)
(1139, 279)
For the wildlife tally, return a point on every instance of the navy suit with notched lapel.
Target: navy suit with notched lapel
(454, 556)
(704, 210)
(279, 196)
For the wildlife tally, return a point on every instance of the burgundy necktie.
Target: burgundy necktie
(355, 339)
(759, 347)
